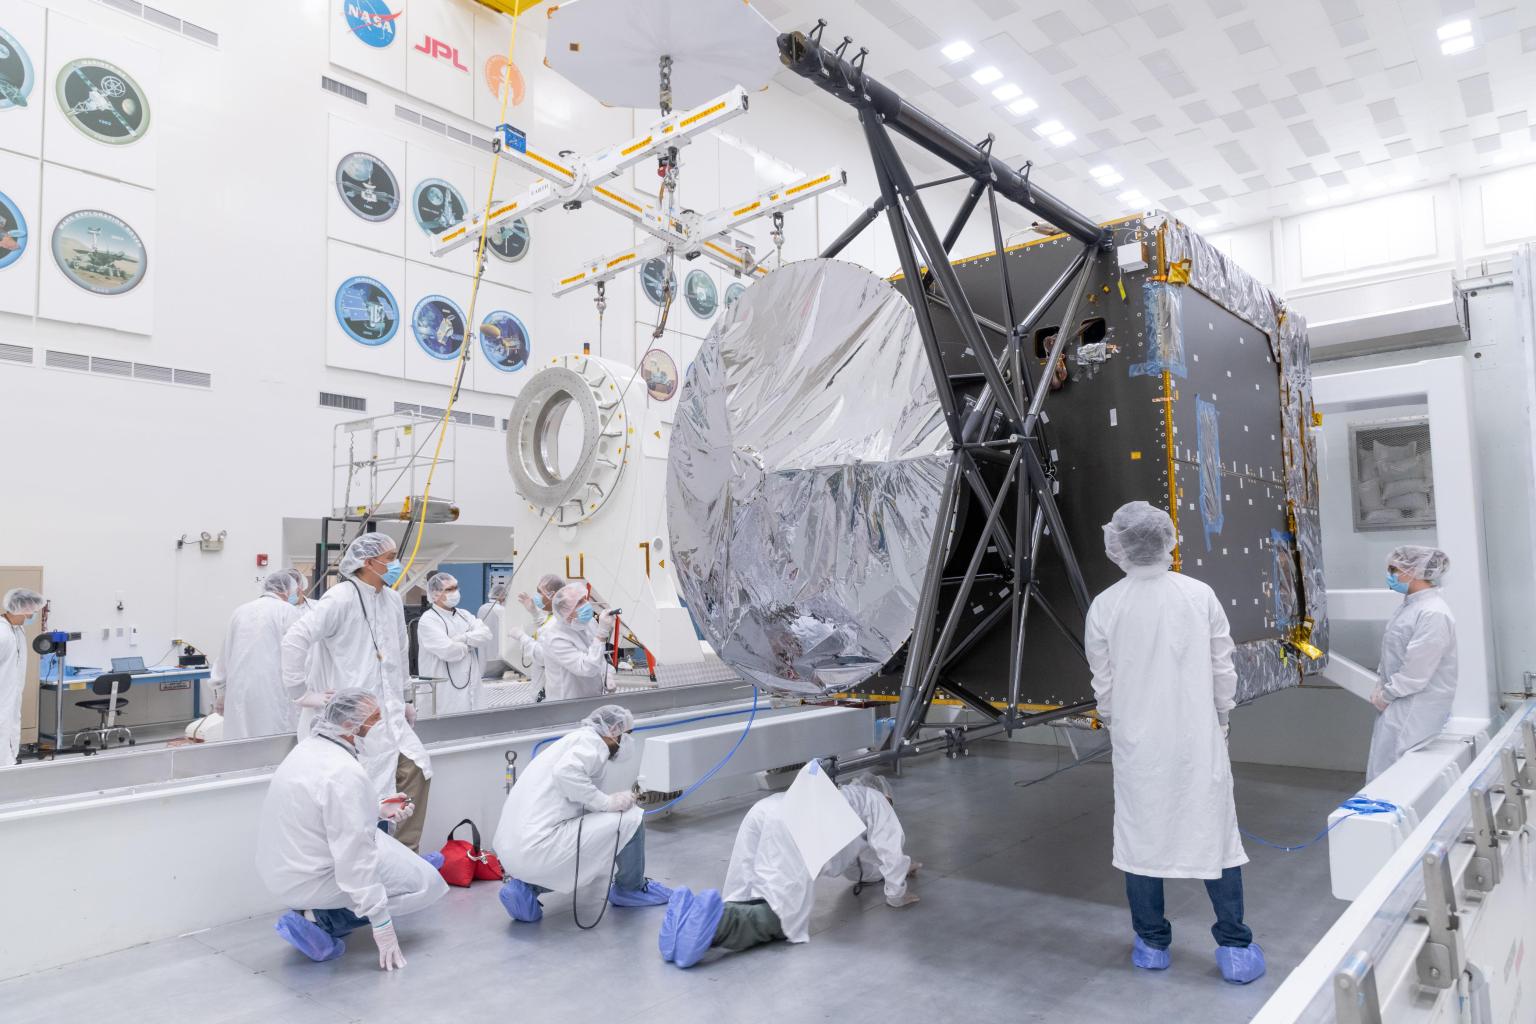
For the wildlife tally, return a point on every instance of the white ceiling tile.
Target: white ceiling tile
(1452, 136)
(1366, 62)
(1487, 143)
(1528, 39)
(997, 8)
(957, 93)
(1499, 24)
(1053, 60)
(1245, 36)
(1383, 110)
(1256, 183)
(1150, 123)
(1114, 10)
(1512, 122)
(1352, 33)
(1306, 80)
(1171, 175)
(1400, 149)
(1335, 179)
(1350, 161)
(1290, 106)
(1236, 157)
(1089, 95)
(1199, 111)
(1476, 94)
(1163, 21)
(1222, 8)
(1391, 129)
(1348, 91)
(1058, 28)
(915, 33)
(1308, 137)
(1250, 96)
(1403, 75)
(1237, 121)
(1302, 172)
(1341, 10)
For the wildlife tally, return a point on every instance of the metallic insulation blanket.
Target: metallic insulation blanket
(804, 478)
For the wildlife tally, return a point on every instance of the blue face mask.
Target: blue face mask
(585, 614)
(293, 598)
(392, 573)
(538, 601)
(1393, 583)
(30, 619)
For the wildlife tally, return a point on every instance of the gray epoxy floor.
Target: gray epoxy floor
(1022, 919)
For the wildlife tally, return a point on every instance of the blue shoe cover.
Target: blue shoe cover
(1240, 964)
(434, 858)
(1148, 958)
(696, 931)
(309, 938)
(653, 895)
(677, 910)
(521, 902)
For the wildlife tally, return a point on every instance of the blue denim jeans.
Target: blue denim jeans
(1145, 896)
(339, 923)
(631, 863)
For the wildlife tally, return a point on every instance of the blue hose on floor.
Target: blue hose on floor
(711, 773)
(1355, 805)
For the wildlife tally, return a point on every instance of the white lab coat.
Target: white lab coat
(249, 672)
(766, 864)
(357, 637)
(574, 661)
(490, 613)
(1161, 654)
(528, 656)
(1418, 677)
(13, 680)
(319, 846)
(448, 650)
(561, 789)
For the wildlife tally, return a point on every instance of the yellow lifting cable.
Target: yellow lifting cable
(474, 295)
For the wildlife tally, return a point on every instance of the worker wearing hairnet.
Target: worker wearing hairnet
(1418, 658)
(571, 646)
(1161, 655)
(559, 815)
(769, 894)
(354, 638)
(17, 608)
(448, 642)
(493, 666)
(528, 655)
(247, 676)
(319, 850)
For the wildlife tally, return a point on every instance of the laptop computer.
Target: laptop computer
(132, 666)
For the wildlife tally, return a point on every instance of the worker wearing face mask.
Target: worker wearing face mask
(319, 850)
(354, 638)
(527, 655)
(769, 894)
(248, 674)
(558, 815)
(1418, 658)
(490, 613)
(448, 647)
(17, 609)
(1160, 649)
(571, 646)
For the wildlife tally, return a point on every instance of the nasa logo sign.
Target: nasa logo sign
(371, 21)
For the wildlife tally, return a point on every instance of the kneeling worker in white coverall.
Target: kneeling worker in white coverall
(769, 894)
(1160, 650)
(558, 816)
(320, 849)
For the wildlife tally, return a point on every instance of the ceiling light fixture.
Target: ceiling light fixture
(1132, 198)
(1452, 29)
(958, 50)
(1456, 37)
(986, 75)
(1007, 92)
(1022, 106)
(1063, 138)
(1048, 128)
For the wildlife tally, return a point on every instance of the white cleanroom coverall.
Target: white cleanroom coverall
(319, 846)
(575, 664)
(448, 644)
(358, 638)
(249, 672)
(1161, 654)
(1418, 677)
(561, 788)
(766, 864)
(13, 679)
(491, 613)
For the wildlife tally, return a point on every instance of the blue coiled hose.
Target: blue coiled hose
(1355, 805)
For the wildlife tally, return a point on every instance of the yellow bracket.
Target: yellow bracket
(1301, 639)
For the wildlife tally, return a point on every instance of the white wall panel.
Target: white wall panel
(85, 221)
(24, 67)
(367, 201)
(21, 242)
(365, 329)
(112, 85)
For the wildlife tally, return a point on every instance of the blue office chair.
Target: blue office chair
(107, 686)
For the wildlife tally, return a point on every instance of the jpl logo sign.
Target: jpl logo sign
(371, 21)
(439, 50)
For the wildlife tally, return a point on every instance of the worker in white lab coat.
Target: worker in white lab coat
(448, 645)
(527, 656)
(490, 613)
(1161, 655)
(571, 646)
(558, 815)
(318, 848)
(1418, 658)
(769, 894)
(354, 638)
(247, 676)
(16, 608)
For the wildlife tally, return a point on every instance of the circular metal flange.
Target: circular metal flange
(572, 386)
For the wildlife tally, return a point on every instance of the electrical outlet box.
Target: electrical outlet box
(133, 636)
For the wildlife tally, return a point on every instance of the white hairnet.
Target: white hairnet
(369, 545)
(283, 583)
(568, 599)
(1138, 534)
(21, 601)
(1421, 563)
(872, 781)
(610, 720)
(550, 584)
(345, 714)
(498, 590)
(439, 582)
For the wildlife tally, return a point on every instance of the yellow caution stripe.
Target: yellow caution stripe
(621, 259)
(746, 209)
(452, 235)
(573, 280)
(701, 115)
(808, 184)
(550, 164)
(631, 204)
(637, 146)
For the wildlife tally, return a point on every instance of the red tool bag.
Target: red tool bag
(465, 862)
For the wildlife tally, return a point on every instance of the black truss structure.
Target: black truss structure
(1003, 472)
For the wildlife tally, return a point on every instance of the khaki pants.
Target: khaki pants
(410, 781)
(747, 924)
